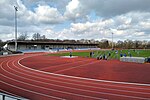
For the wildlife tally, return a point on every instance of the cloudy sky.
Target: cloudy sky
(77, 19)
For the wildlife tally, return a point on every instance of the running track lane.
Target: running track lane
(37, 85)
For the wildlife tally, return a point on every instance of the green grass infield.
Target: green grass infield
(115, 54)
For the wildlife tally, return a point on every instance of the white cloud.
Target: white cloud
(47, 15)
(2, 1)
(72, 6)
(123, 27)
(73, 11)
(77, 19)
(109, 8)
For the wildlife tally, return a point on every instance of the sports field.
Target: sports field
(43, 76)
(115, 54)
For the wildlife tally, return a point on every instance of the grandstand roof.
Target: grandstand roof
(50, 43)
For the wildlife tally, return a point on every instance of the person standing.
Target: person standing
(90, 54)
(70, 54)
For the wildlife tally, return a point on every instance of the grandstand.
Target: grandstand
(46, 46)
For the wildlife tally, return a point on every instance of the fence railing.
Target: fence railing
(4, 96)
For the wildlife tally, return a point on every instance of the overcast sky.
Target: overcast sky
(77, 19)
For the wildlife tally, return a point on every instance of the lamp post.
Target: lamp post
(112, 41)
(16, 9)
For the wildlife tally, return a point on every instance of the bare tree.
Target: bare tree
(43, 37)
(23, 36)
(104, 43)
(119, 44)
(36, 36)
(148, 45)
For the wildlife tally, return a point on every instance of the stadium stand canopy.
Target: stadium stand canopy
(41, 45)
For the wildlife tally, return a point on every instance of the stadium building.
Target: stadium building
(41, 45)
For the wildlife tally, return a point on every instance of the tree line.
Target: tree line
(126, 44)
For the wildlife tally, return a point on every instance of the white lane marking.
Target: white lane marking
(81, 78)
(51, 89)
(31, 91)
(107, 85)
(59, 71)
(55, 66)
(79, 84)
(95, 83)
(12, 94)
(47, 83)
(100, 93)
(26, 89)
(83, 82)
(68, 76)
(74, 84)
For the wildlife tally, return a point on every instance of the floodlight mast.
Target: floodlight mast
(16, 9)
(112, 41)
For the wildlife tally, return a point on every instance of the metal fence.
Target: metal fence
(4, 96)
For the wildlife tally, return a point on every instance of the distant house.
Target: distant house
(38, 45)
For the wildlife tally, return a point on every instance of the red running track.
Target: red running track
(113, 70)
(39, 85)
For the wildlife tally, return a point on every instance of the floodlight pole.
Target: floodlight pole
(16, 9)
(112, 41)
